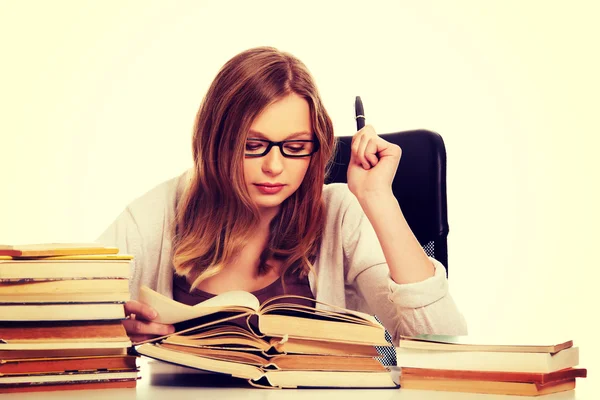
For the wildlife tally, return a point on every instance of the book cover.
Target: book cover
(62, 312)
(61, 364)
(55, 249)
(29, 270)
(13, 355)
(486, 387)
(488, 360)
(500, 376)
(65, 377)
(485, 343)
(265, 378)
(55, 386)
(65, 291)
(38, 335)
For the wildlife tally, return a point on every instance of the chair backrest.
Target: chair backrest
(419, 185)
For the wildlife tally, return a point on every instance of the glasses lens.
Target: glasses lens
(298, 148)
(255, 147)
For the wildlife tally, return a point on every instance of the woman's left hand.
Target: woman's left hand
(373, 163)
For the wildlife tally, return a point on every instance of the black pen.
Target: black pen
(360, 118)
(360, 113)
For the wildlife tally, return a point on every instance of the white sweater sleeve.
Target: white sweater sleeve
(124, 233)
(143, 230)
(406, 309)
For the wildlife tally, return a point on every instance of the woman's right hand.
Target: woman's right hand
(139, 325)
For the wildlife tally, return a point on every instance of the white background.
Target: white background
(97, 101)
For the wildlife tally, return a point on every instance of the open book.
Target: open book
(276, 344)
(261, 373)
(276, 317)
(229, 336)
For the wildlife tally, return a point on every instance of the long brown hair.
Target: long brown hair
(215, 215)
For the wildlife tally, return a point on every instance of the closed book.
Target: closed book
(485, 343)
(500, 376)
(55, 249)
(100, 267)
(63, 335)
(65, 377)
(65, 290)
(487, 387)
(62, 312)
(55, 386)
(62, 364)
(8, 355)
(488, 360)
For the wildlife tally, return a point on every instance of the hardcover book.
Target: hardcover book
(54, 249)
(277, 344)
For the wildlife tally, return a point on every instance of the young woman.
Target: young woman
(254, 214)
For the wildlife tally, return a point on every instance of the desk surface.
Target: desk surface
(164, 381)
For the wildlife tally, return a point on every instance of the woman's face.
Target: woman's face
(273, 178)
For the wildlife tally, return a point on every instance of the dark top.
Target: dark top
(293, 285)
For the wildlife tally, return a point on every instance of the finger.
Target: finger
(141, 310)
(369, 139)
(355, 155)
(141, 327)
(363, 130)
(362, 149)
(371, 153)
(140, 338)
(369, 131)
(355, 143)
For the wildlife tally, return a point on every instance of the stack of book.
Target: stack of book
(469, 364)
(61, 307)
(277, 344)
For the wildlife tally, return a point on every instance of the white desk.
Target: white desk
(162, 381)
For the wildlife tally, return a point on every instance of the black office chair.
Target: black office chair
(419, 185)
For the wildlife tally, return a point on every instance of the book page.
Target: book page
(274, 305)
(171, 312)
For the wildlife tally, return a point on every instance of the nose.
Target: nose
(273, 162)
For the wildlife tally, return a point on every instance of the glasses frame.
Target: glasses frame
(281, 150)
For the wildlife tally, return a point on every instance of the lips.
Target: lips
(269, 188)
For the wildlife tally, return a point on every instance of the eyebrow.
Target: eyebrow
(252, 132)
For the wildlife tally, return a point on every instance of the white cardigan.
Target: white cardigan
(351, 270)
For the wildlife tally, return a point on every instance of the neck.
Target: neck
(263, 230)
(266, 216)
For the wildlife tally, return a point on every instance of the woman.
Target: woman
(255, 209)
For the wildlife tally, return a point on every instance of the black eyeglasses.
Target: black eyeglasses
(289, 148)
